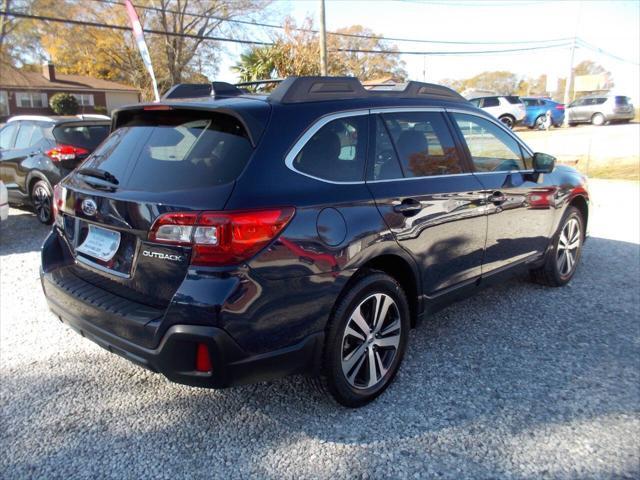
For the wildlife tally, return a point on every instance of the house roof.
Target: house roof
(13, 78)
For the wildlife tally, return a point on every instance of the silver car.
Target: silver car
(600, 109)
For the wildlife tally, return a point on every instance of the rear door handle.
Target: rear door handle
(408, 207)
(497, 198)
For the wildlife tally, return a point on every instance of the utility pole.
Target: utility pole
(567, 87)
(323, 41)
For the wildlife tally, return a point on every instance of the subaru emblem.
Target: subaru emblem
(89, 207)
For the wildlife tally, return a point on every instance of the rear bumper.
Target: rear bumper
(175, 355)
(620, 116)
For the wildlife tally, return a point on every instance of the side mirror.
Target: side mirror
(543, 163)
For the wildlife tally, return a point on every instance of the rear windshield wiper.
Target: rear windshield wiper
(97, 173)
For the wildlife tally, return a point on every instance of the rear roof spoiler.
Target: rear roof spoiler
(315, 89)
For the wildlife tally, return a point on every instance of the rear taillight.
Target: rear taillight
(66, 152)
(560, 107)
(221, 238)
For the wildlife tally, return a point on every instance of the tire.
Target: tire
(598, 119)
(508, 121)
(538, 123)
(352, 340)
(572, 124)
(42, 201)
(556, 272)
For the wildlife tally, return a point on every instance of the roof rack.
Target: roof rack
(315, 89)
(260, 82)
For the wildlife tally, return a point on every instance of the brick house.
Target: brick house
(28, 93)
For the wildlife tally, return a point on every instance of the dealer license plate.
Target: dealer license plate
(100, 243)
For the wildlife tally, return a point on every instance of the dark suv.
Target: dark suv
(236, 238)
(37, 151)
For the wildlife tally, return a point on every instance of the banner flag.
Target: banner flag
(142, 45)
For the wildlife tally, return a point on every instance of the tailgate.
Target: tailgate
(157, 163)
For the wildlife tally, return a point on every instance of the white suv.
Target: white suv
(509, 109)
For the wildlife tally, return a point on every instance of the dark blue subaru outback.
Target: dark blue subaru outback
(221, 238)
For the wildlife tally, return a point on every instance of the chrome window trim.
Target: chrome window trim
(310, 132)
(406, 109)
(402, 179)
(495, 122)
(322, 121)
(505, 171)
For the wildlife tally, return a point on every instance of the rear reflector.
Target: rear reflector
(560, 107)
(60, 153)
(203, 361)
(221, 238)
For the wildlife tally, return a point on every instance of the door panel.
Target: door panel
(518, 204)
(433, 208)
(446, 235)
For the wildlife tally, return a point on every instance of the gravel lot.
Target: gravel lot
(519, 381)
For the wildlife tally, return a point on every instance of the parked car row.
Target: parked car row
(532, 112)
(36, 152)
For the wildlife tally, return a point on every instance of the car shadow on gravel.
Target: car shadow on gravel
(492, 376)
(21, 233)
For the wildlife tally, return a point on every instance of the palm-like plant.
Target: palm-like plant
(256, 64)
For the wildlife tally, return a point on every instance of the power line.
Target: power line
(581, 42)
(444, 53)
(122, 27)
(596, 49)
(339, 34)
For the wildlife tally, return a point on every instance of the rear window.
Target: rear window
(176, 150)
(513, 99)
(490, 102)
(336, 152)
(622, 101)
(85, 136)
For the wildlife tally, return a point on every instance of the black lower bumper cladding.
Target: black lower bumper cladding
(175, 355)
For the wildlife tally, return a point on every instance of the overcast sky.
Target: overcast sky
(613, 26)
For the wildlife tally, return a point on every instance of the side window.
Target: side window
(423, 143)
(491, 102)
(23, 140)
(385, 165)
(6, 136)
(492, 149)
(476, 101)
(337, 151)
(37, 136)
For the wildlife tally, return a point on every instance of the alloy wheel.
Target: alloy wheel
(568, 247)
(42, 203)
(370, 341)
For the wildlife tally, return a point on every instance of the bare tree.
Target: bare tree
(203, 18)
